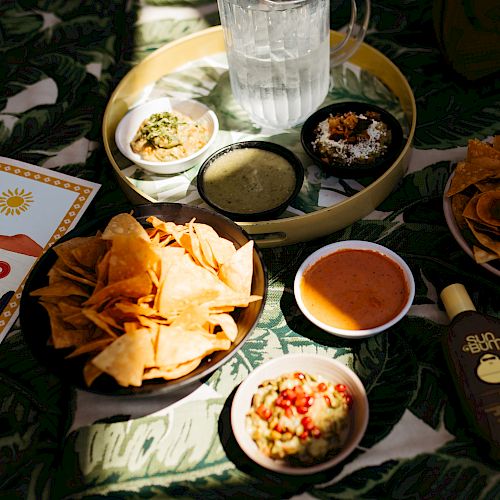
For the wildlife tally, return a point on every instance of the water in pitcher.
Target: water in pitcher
(278, 59)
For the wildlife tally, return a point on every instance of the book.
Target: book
(37, 207)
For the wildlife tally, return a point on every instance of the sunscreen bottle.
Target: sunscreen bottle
(472, 351)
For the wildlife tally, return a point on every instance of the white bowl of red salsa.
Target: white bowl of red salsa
(300, 413)
(354, 289)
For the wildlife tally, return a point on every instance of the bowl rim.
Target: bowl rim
(266, 145)
(122, 138)
(354, 245)
(150, 388)
(357, 171)
(285, 364)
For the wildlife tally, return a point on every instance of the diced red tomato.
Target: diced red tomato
(282, 402)
(301, 401)
(348, 399)
(264, 412)
(306, 400)
(307, 423)
(340, 388)
(327, 400)
(289, 394)
(299, 390)
(322, 387)
(299, 375)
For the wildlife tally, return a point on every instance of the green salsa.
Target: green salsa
(249, 180)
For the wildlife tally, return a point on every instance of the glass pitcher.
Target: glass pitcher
(279, 55)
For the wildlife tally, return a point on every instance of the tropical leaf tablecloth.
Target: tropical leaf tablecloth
(59, 63)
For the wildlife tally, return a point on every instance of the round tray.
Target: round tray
(292, 227)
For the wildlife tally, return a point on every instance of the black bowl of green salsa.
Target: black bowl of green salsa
(250, 180)
(352, 140)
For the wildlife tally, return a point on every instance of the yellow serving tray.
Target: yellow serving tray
(284, 231)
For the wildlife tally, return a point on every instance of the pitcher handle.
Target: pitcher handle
(354, 36)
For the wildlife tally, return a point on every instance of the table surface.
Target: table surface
(60, 63)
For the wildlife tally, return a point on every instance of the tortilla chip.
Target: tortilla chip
(56, 271)
(488, 208)
(227, 324)
(237, 270)
(470, 213)
(79, 279)
(467, 174)
(101, 320)
(193, 317)
(172, 372)
(124, 225)
(482, 256)
(90, 252)
(479, 149)
(64, 251)
(132, 309)
(167, 227)
(169, 257)
(135, 287)
(196, 251)
(62, 334)
(69, 305)
(485, 240)
(222, 249)
(491, 184)
(458, 204)
(90, 373)
(77, 320)
(487, 163)
(129, 257)
(95, 345)
(205, 233)
(62, 288)
(126, 358)
(177, 345)
(102, 272)
(227, 304)
(186, 284)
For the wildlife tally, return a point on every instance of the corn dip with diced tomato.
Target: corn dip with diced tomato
(300, 418)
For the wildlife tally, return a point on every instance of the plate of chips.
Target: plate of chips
(471, 203)
(144, 303)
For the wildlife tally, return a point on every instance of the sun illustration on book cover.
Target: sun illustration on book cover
(15, 202)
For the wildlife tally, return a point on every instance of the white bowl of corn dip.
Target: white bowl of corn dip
(167, 135)
(352, 139)
(300, 413)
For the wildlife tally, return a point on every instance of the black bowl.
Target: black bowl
(267, 214)
(35, 323)
(360, 169)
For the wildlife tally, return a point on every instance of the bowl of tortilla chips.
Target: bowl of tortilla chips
(144, 303)
(471, 203)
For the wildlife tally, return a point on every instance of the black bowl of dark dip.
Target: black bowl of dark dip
(352, 139)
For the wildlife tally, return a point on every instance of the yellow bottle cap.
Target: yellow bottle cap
(456, 300)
